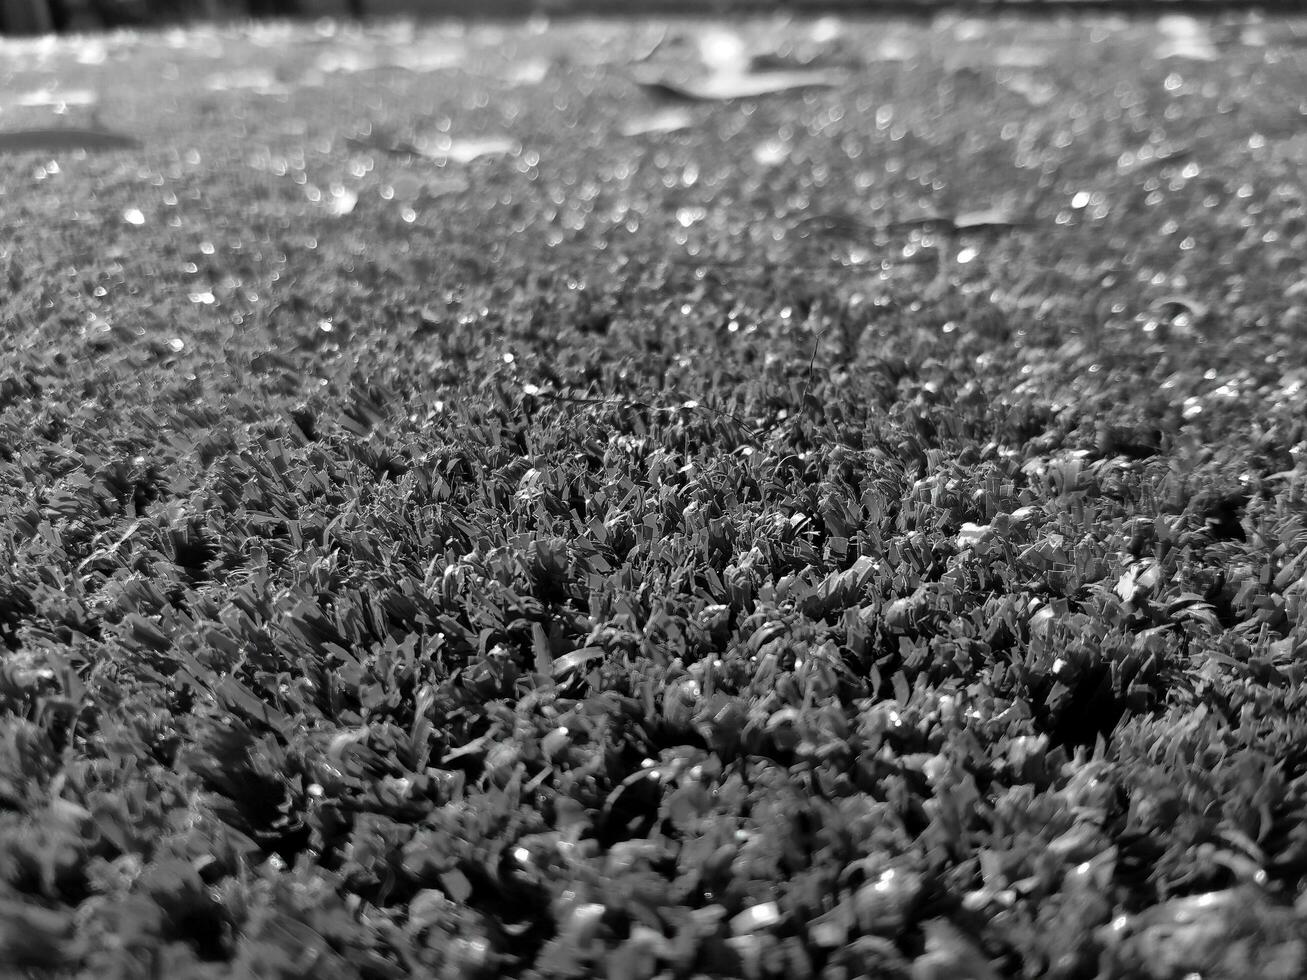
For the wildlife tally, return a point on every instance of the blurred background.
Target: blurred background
(46, 16)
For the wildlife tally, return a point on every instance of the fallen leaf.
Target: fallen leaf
(831, 225)
(411, 186)
(426, 58)
(1191, 49)
(1184, 37)
(989, 218)
(929, 221)
(986, 220)
(725, 87)
(465, 151)
(659, 123)
(64, 139)
(440, 149)
(43, 98)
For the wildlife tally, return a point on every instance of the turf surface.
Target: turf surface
(467, 510)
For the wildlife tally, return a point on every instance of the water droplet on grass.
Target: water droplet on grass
(686, 217)
(771, 153)
(341, 201)
(659, 123)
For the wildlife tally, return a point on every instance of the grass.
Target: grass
(445, 536)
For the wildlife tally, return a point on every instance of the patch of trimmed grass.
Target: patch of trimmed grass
(853, 531)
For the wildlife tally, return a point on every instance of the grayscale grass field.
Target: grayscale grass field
(787, 498)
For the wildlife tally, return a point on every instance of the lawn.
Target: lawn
(642, 499)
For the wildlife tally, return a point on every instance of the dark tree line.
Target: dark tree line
(39, 16)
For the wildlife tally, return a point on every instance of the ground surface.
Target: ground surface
(466, 512)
